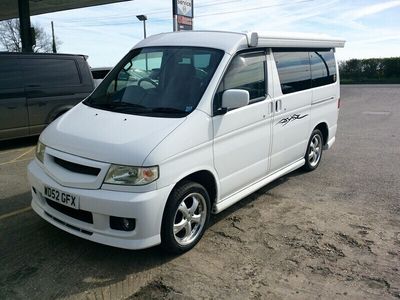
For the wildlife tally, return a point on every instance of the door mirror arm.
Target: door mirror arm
(221, 111)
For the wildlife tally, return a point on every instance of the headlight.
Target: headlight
(125, 175)
(40, 148)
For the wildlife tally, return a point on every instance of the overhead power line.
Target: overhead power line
(90, 23)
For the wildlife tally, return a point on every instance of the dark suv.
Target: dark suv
(35, 89)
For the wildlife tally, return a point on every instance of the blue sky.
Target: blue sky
(105, 33)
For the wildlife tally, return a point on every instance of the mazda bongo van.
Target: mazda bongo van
(185, 125)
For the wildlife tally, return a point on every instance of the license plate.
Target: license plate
(63, 198)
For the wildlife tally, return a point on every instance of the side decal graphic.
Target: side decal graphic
(294, 117)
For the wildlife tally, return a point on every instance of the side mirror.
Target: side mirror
(235, 98)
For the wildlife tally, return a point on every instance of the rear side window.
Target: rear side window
(246, 72)
(323, 67)
(50, 72)
(10, 74)
(293, 70)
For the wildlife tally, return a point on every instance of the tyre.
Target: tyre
(185, 218)
(314, 151)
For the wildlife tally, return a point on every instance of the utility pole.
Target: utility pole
(143, 18)
(54, 39)
(25, 26)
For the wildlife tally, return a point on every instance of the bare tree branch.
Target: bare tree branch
(10, 38)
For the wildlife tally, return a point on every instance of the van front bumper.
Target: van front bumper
(146, 208)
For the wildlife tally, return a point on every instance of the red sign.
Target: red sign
(184, 20)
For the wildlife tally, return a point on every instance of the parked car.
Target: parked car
(35, 89)
(98, 74)
(144, 162)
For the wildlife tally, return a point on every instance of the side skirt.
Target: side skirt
(225, 203)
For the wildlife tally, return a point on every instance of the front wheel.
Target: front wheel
(185, 217)
(314, 151)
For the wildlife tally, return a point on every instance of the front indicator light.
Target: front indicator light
(40, 149)
(126, 175)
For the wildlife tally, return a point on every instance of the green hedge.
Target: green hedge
(372, 70)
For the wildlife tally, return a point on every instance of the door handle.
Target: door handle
(278, 105)
(271, 107)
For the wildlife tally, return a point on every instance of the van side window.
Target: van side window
(323, 68)
(53, 72)
(293, 70)
(246, 72)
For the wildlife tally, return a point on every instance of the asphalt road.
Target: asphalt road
(331, 233)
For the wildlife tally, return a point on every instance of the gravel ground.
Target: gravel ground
(331, 233)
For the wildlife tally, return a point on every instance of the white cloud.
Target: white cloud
(106, 33)
(373, 9)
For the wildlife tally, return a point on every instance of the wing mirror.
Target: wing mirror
(235, 98)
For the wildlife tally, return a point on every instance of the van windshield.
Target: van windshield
(157, 81)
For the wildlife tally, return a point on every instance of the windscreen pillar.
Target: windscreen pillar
(25, 25)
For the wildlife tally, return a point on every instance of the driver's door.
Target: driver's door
(242, 136)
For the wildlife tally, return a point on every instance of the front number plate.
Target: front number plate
(63, 198)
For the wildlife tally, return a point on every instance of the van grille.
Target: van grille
(69, 225)
(76, 168)
(81, 215)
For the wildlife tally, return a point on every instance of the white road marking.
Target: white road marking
(14, 161)
(18, 157)
(16, 212)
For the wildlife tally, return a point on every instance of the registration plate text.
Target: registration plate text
(61, 197)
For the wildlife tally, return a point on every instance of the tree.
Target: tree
(10, 38)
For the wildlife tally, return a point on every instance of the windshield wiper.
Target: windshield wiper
(126, 104)
(119, 105)
(169, 110)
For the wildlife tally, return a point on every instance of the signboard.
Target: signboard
(184, 23)
(183, 14)
(184, 8)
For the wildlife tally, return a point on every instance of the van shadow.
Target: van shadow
(36, 253)
(254, 196)
(18, 143)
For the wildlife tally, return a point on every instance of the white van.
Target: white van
(213, 117)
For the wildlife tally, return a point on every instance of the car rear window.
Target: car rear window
(50, 72)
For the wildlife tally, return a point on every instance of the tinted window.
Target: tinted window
(294, 71)
(50, 72)
(10, 75)
(246, 72)
(323, 68)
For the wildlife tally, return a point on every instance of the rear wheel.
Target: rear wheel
(185, 217)
(314, 151)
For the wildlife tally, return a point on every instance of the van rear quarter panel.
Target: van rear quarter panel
(324, 107)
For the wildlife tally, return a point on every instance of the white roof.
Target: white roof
(231, 42)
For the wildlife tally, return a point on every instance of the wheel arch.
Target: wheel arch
(323, 127)
(206, 178)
